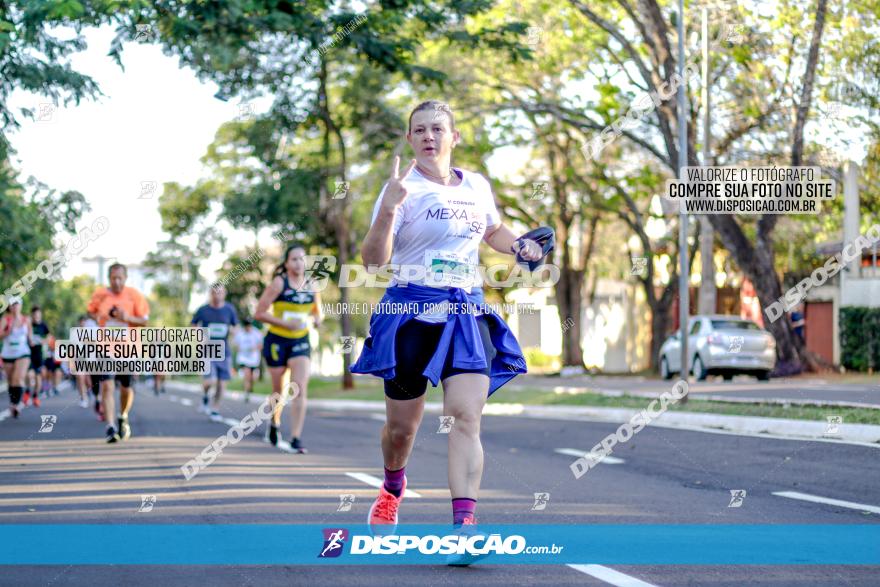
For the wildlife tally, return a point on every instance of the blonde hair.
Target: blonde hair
(436, 106)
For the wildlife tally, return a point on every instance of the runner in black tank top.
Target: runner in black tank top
(286, 306)
(39, 380)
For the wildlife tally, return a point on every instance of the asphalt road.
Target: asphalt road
(69, 475)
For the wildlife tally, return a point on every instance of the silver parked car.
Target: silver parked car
(722, 345)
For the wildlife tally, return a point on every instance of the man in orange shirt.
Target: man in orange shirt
(119, 306)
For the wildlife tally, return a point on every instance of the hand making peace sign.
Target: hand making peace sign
(395, 190)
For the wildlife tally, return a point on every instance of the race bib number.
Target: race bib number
(447, 269)
(217, 330)
(301, 316)
(38, 340)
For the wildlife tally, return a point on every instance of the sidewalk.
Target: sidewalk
(861, 434)
(821, 391)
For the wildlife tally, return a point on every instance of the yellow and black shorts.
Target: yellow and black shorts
(277, 350)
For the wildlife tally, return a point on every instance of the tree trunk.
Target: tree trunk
(708, 293)
(757, 263)
(803, 107)
(569, 289)
(659, 328)
(336, 211)
(345, 318)
(788, 345)
(569, 300)
(570, 294)
(659, 313)
(339, 209)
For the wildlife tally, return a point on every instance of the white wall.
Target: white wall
(859, 292)
(328, 362)
(616, 328)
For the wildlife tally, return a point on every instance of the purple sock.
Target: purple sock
(394, 481)
(462, 507)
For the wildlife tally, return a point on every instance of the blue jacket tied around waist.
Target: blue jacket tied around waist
(460, 332)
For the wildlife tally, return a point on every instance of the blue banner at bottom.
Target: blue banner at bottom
(527, 544)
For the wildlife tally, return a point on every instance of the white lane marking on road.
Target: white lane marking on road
(573, 452)
(828, 500)
(173, 398)
(4, 414)
(380, 417)
(186, 401)
(610, 576)
(376, 482)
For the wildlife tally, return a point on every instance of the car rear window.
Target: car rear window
(734, 325)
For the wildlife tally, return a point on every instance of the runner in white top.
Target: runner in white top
(431, 219)
(15, 331)
(248, 342)
(437, 232)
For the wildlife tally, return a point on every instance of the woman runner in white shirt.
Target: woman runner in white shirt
(15, 332)
(248, 343)
(429, 221)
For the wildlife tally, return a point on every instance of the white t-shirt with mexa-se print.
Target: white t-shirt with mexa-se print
(438, 228)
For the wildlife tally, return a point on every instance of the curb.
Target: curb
(817, 403)
(779, 428)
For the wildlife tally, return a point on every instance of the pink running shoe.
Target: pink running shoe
(382, 517)
(467, 529)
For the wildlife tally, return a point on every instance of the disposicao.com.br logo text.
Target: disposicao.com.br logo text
(474, 544)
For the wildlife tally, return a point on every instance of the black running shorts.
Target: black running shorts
(124, 380)
(36, 357)
(415, 345)
(277, 350)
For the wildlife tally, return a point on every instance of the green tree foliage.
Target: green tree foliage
(860, 338)
(35, 50)
(62, 302)
(245, 274)
(36, 46)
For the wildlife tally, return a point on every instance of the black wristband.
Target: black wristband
(545, 239)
